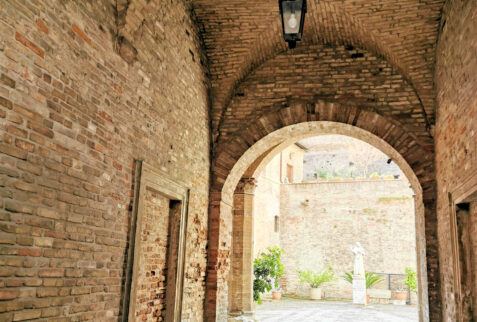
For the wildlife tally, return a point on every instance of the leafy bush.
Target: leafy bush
(374, 175)
(411, 280)
(371, 278)
(267, 269)
(323, 174)
(316, 279)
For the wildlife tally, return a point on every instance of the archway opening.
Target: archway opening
(237, 204)
(314, 200)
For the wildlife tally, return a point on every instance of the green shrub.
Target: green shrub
(316, 279)
(267, 269)
(411, 280)
(371, 278)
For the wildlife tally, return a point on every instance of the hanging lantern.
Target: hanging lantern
(293, 18)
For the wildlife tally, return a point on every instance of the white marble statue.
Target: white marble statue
(358, 259)
(359, 280)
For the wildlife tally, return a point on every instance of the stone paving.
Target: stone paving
(288, 310)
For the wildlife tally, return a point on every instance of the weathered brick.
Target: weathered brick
(7, 238)
(46, 292)
(15, 118)
(6, 103)
(18, 206)
(51, 272)
(27, 112)
(17, 131)
(37, 50)
(7, 81)
(42, 25)
(26, 315)
(8, 294)
(24, 240)
(50, 312)
(24, 145)
(29, 252)
(4, 271)
(14, 152)
(29, 167)
(43, 242)
(48, 213)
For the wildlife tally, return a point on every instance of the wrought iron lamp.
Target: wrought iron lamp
(293, 18)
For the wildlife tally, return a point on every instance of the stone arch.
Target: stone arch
(301, 119)
(331, 24)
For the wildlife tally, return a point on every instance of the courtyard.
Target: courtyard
(291, 310)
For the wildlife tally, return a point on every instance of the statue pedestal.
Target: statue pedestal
(359, 289)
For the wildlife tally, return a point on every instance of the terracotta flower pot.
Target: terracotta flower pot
(367, 299)
(401, 296)
(315, 293)
(276, 295)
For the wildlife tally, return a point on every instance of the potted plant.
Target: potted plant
(401, 294)
(267, 269)
(375, 176)
(371, 279)
(315, 280)
(276, 294)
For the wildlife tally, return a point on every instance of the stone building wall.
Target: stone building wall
(456, 128)
(74, 114)
(266, 206)
(320, 222)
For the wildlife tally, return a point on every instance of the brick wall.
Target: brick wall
(456, 128)
(403, 32)
(73, 116)
(345, 74)
(320, 222)
(152, 269)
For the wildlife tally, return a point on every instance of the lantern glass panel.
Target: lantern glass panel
(292, 16)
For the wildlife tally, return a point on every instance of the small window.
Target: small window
(277, 224)
(290, 173)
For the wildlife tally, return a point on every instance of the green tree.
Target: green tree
(411, 280)
(267, 269)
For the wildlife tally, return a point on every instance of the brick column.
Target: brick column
(241, 274)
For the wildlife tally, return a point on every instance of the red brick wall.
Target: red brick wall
(73, 117)
(242, 35)
(456, 128)
(349, 75)
(152, 265)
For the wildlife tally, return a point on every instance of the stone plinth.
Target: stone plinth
(359, 289)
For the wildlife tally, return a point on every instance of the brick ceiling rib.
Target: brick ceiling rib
(240, 35)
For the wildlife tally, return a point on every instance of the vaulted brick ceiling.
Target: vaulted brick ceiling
(241, 35)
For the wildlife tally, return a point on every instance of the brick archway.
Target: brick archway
(328, 22)
(301, 119)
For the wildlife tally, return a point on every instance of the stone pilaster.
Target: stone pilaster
(241, 274)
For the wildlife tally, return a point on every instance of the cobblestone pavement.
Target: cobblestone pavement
(288, 310)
